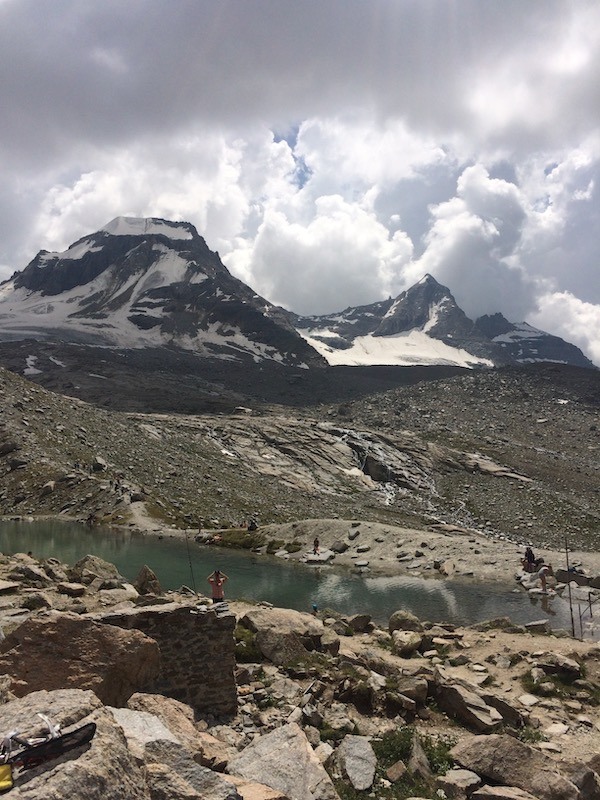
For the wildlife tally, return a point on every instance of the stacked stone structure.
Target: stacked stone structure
(197, 653)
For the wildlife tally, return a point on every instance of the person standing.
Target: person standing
(217, 581)
(316, 546)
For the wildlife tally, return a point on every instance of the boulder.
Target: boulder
(208, 784)
(112, 662)
(30, 575)
(505, 760)
(402, 620)
(357, 761)
(501, 793)
(177, 717)
(102, 770)
(71, 589)
(280, 649)
(418, 763)
(284, 760)
(567, 669)
(585, 779)
(90, 567)
(147, 582)
(458, 783)
(468, 707)
(360, 623)
(405, 643)
(284, 621)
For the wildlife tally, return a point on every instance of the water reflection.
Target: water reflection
(177, 562)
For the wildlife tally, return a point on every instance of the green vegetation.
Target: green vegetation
(241, 539)
(246, 651)
(396, 746)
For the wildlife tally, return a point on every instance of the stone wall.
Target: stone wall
(197, 653)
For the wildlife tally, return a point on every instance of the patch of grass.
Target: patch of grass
(241, 539)
(531, 735)
(393, 747)
(293, 547)
(246, 651)
(274, 545)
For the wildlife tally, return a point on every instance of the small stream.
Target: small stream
(284, 583)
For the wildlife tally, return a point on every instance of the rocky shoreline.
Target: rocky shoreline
(324, 707)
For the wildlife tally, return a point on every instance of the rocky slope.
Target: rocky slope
(510, 453)
(328, 707)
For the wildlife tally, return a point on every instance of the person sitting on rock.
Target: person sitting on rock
(528, 560)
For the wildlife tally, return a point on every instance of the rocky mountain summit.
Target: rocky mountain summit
(302, 707)
(146, 283)
(425, 325)
(151, 283)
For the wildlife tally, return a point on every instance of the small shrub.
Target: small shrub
(246, 651)
(531, 735)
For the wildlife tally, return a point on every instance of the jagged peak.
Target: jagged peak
(141, 226)
(427, 279)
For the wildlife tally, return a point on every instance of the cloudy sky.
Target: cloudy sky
(332, 151)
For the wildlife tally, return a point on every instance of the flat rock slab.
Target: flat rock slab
(6, 587)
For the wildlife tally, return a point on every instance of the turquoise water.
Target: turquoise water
(290, 585)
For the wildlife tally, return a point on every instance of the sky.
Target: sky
(332, 151)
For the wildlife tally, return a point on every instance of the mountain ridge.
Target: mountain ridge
(149, 282)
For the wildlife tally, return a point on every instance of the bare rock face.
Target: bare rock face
(503, 759)
(284, 760)
(112, 662)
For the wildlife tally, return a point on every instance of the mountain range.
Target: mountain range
(151, 283)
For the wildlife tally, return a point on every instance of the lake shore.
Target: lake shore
(385, 549)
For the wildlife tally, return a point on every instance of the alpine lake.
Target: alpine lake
(179, 560)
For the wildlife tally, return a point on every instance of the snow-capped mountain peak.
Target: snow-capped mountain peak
(147, 283)
(139, 226)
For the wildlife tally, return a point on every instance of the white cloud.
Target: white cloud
(572, 319)
(342, 257)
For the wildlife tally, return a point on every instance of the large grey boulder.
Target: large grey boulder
(505, 760)
(141, 728)
(284, 760)
(357, 761)
(405, 643)
(179, 719)
(280, 648)
(458, 783)
(90, 567)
